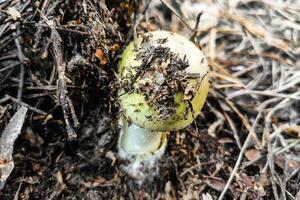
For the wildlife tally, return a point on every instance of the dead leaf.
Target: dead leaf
(252, 154)
(100, 55)
(291, 164)
(115, 48)
(246, 180)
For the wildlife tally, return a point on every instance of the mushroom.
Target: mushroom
(165, 82)
(136, 143)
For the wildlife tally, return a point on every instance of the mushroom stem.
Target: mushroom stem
(137, 143)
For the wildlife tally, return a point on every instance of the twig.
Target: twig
(137, 21)
(21, 59)
(10, 56)
(177, 15)
(36, 110)
(216, 124)
(7, 140)
(240, 157)
(270, 163)
(9, 67)
(195, 32)
(263, 93)
(245, 122)
(234, 130)
(62, 91)
(266, 132)
(287, 147)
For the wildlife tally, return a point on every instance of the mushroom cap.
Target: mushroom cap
(164, 79)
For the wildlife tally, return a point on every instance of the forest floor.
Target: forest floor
(58, 59)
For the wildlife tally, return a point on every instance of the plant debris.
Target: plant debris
(58, 59)
(7, 140)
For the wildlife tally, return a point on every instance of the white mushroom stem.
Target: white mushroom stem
(137, 143)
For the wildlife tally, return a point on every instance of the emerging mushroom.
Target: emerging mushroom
(137, 143)
(165, 82)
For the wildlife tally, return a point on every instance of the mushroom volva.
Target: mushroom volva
(164, 84)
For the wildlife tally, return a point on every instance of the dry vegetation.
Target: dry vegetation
(58, 59)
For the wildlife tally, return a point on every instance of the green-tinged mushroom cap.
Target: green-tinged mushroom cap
(164, 81)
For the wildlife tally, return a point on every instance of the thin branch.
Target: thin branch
(177, 15)
(240, 157)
